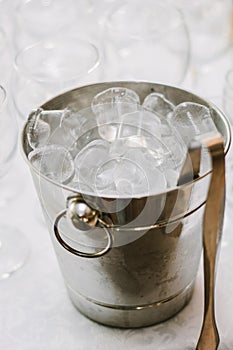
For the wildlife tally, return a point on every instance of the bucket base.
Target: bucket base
(131, 316)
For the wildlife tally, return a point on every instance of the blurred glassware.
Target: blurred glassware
(7, 16)
(47, 68)
(146, 40)
(227, 102)
(6, 58)
(210, 25)
(13, 244)
(228, 96)
(39, 20)
(100, 10)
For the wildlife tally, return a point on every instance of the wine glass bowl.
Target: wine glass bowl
(8, 134)
(145, 41)
(6, 57)
(37, 20)
(49, 67)
(211, 35)
(228, 96)
(13, 244)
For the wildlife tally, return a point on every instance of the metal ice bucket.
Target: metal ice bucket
(137, 265)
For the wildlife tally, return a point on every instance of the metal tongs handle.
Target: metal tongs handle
(212, 224)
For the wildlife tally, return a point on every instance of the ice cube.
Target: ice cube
(53, 117)
(89, 159)
(171, 177)
(163, 108)
(191, 119)
(152, 148)
(149, 161)
(151, 130)
(174, 143)
(60, 135)
(138, 122)
(73, 121)
(159, 104)
(107, 132)
(124, 187)
(158, 161)
(53, 161)
(142, 129)
(135, 129)
(115, 174)
(37, 130)
(45, 127)
(120, 146)
(104, 176)
(114, 97)
(109, 106)
(131, 175)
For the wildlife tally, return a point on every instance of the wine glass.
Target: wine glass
(227, 103)
(13, 244)
(146, 40)
(228, 96)
(6, 57)
(7, 16)
(50, 67)
(211, 34)
(39, 20)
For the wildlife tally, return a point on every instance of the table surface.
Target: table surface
(36, 313)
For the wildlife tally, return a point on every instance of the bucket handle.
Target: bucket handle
(212, 226)
(82, 217)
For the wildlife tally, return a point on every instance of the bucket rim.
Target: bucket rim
(227, 139)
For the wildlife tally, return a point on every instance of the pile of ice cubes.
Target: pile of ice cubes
(116, 147)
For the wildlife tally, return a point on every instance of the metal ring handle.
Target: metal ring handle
(75, 251)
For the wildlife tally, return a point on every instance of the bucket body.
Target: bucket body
(149, 274)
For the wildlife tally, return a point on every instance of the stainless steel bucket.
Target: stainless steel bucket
(137, 267)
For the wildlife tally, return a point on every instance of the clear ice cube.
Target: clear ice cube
(148, 161)
(107, 132)
(159, 104)
(109, 106)
(191, 119)
(129, 176)
(144, 129)
(60, 133)
(133, 169)
(119, 175)
(37, 130)
(138, 122)
(120, 147)
(163, 108)
(152, 148)
(89, 159)
(135, 129)
(172, 177)
(174, 143)
(53, 117)
(46, 128)
(53, 161)
(115, 96)
(73, 122)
